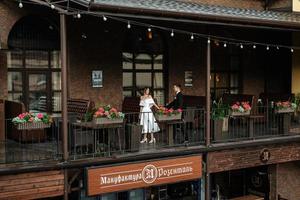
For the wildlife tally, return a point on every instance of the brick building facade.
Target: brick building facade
(94, 44)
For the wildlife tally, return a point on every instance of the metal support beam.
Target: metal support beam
(63, 49)
(208, 100)
(207, 118)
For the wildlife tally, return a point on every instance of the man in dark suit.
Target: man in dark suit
(177, 103)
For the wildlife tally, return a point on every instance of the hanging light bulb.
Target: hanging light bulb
(268, 48)
(172, 33)
(241, 46)
(254, 46)
(192, 36)
(208, 41)
(292, 50)
(128, 25)
(104, 18)
(78, 15)
(225, 45)
(149, 29)
(20, 4)
(52, 6)
(277, 47)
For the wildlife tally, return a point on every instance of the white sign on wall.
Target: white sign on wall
(296, 5)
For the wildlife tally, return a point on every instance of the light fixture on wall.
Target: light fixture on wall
(20, 4)
(192, 36)
(225, 45)
(128, 25)
(52, 6)
(172, 33)
(104, 18)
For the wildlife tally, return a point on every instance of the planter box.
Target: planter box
(238, 114)
(285, 110)
(107, 121)
(32, 126)
(220, 127)
(162, 118)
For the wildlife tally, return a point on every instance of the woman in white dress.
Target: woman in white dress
(147, 119)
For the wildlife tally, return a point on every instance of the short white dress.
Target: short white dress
(147, 119)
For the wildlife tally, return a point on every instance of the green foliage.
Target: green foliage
(219, 110)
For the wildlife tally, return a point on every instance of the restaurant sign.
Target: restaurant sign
(131, 176)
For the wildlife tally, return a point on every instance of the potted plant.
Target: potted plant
(285, 107)
(220, 120)
(240, 109)
(108, 115)
(164, 114)
(297, 110)
(28, 121)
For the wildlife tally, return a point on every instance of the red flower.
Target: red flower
(40, 115)
(101, 110)
(113, 110)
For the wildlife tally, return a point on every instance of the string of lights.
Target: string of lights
(225, 41)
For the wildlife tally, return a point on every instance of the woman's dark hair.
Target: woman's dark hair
(145, 89)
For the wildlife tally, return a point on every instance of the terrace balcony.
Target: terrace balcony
(89, 141)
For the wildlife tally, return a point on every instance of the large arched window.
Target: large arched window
(33, 62)
(143, 64)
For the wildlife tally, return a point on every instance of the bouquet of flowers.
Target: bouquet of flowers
(169, 112)
(28, 120)
(29, 117)
(108, 112)
(285, 106)
(241, 107)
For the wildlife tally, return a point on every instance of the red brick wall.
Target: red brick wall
(249, 157)
(187, 56)
(101, 50)
(10, 13)
(288, 180)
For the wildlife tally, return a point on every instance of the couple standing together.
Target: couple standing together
(147, 119)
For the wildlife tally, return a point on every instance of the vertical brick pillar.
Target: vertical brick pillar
(3, 93)
(273, 181)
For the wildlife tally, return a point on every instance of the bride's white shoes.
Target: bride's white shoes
(144, 141)
(152, 141)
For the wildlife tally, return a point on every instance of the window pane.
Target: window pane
(36, 59)
(222, 80)
(56, 102)
(143, 61)
(234, 91)
(15, 97)
(127, 61)
(158, 80)
(234, 80)
(37, 101)
(158, 62)
(14, 81)
(55, 61)
(37, 82)
(143, 80)
(14, 59)
(160, 97)
(127, 93)
(127, 79)
(56, 81)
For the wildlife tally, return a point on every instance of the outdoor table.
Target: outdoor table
(96, 127)
(169, 124)
(284, 123)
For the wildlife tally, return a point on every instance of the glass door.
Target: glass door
(38, 92)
